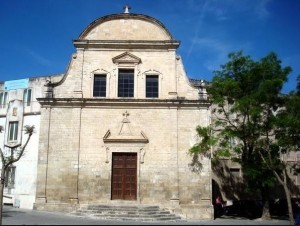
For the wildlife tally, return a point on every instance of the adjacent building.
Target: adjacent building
(19, 107)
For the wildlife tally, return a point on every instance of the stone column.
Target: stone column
(174, 158)
(42, 168)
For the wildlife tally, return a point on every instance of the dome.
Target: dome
(126, 26)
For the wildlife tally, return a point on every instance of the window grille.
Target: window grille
(126, 83)
(152, 86)
(99, 86)
(13, 131)
(27, 97)
(3, 99)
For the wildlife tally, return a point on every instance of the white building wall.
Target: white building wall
(22, 195)
(25, 178)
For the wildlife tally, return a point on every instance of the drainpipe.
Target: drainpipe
(79, 135)
(78, 155)
(177, 146)
(177, 154)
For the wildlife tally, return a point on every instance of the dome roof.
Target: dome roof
(126, 26)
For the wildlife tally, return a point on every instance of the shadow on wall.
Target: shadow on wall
(243, 201)
(196, 165)
(231, 186)
(233, 190)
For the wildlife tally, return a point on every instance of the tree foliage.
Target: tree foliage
(246, 94)
(252, 122)
(288, 122)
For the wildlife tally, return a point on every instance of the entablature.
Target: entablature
(126, 44)
(92, 102)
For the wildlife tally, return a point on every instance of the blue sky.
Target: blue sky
(36, 35)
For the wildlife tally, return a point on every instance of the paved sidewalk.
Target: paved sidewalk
(16, 216)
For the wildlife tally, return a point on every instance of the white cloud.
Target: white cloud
(38, 58)
(197, 27)
(225, 9)
(216, 51)
(218, 42)
(261, 9)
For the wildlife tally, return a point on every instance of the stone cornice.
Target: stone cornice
(98, 102)
(126, 44)
(140, 138)
(25, 114)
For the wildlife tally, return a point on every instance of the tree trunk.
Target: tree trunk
(266, 203)
(1, 193)
(289, 202)
(287, 195)
(266, 211)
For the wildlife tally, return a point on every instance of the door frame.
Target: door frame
(139, 149)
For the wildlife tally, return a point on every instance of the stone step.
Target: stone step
(125, 212)
(134, 215)
(144, 219)
(100, 207)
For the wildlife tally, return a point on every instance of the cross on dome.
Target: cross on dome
(126, 7)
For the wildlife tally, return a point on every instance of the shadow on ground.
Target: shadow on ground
(253, 210)
(12, 212)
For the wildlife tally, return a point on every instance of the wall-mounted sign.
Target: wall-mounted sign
(16, 84)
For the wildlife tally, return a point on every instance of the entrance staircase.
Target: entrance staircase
(127, 212)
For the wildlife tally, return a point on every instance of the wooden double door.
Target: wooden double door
(124, 176)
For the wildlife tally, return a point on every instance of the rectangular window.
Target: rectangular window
(152, 86)
(27, 97)
(10, 177)
(13, 131)
(126, 83)
(298, 178)
(235, 172)
(99, 86)
(3, 99)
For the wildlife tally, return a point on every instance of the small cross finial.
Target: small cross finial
(126, 114)
(126, 7)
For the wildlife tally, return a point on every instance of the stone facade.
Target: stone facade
(80, 132)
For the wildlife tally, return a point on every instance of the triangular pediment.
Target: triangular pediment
(125, 135)
(138, 138)
(126, 58)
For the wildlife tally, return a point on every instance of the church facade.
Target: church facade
(117, 127)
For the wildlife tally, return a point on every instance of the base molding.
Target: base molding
(197, 211)
(56, 207)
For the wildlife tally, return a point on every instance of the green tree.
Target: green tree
(287, 141)
(245, 96)
(6, 161)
